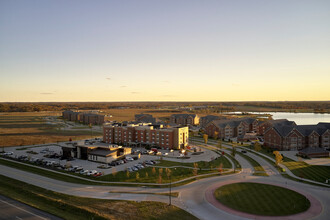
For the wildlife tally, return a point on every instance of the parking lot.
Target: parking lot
(50, 156)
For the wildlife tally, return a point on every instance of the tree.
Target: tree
(160, 179)
(114, 171)
(205, 136)
(137, 176)
(257, 146)
(147, 175)
(220, 144)
(220, 168)
(216, 134)
(168, 172)
(127, 174)
(160, 171)
(278, 157)
(153, 170)
(195, 170)
(233, 151)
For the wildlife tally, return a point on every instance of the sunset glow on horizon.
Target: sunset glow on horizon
(53, 51)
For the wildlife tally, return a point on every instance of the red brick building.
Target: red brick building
(297, 137)
(231, 128)
(85, 117)
(151, 135)
(263, 126)
(184, 119)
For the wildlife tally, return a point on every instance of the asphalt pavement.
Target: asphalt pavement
(13, 210)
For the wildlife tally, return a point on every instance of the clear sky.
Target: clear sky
(180, 50)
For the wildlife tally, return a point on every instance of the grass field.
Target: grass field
(147, 175)
(18, 129)
(72, 207)
(304, 170)
(262, 199)
(201, 164)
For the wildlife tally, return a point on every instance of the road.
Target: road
(12, 209)
(192, 196)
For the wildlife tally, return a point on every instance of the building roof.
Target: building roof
(283, 130)
(184, 115)
(224, 123)
(313, 150)
(102, 152)
(210, 117)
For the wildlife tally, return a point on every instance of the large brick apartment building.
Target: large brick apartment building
(85, 117)
(265, 125)
(184, 119)
(296, 137)
(203, 121)
(146, 134)
(231, 128)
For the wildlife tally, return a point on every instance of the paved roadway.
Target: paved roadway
(192, 196)
(12, 209)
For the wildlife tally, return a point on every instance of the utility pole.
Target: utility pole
(170, 190)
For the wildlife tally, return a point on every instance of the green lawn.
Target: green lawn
(201, 164)
(72, 207)
(304, 170)
(147, 175)
(262, 199)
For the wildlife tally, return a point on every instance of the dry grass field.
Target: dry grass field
(27, 128)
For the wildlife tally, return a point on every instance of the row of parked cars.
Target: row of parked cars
(57, 165)
(122, 161)
(141, 165)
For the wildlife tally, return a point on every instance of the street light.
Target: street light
(170, 195)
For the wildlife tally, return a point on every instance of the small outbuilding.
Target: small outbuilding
(314, 152)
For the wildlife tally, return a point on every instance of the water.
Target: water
(299, 118)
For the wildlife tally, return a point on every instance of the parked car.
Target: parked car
(91, 172)
(98, 174)
(8, 153)
(129, 159)
(84, 172)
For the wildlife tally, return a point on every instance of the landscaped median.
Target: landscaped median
(73, 207)
(258, 169)
(151, 176)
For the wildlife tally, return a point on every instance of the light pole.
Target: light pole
(170, 190)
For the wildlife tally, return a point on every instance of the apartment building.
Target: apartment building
(146, 135)
(85, 117)
(231, 128)
(265, 125)
(184, 119)
(144, 118)
(297, 137)
(203, 121)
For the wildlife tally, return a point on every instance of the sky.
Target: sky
(173, 50)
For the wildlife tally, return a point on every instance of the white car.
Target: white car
(91, 172)
(8, 153)
(129, 159)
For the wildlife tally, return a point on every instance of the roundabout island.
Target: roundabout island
(261, 199)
